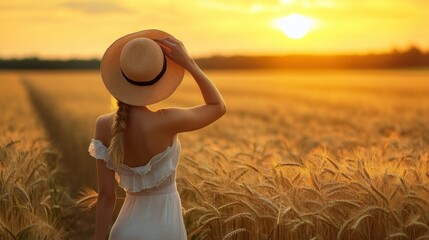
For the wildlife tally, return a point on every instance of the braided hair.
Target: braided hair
(116, 147)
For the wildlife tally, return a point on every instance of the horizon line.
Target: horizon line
(381, 52)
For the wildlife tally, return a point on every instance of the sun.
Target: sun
(295, 26)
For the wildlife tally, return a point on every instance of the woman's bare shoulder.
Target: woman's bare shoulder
(103, 127)
(105, 117)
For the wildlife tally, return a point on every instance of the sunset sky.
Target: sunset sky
(85, 28)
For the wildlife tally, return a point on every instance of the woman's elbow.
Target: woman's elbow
(222, 109)
(106, 197)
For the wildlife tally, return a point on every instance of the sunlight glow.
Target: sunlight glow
(295, 26)
(319, 25)
(287, 1)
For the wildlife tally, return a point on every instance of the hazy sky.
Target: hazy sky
(85, 28)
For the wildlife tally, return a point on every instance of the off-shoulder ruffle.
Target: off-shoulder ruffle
(99, 151)
(135, 179)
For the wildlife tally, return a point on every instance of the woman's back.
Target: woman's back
(144, 137)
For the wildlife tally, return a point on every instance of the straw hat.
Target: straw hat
(135, 70)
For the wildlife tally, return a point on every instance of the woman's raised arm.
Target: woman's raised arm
(188, 119)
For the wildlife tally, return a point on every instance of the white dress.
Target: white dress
(152, 208)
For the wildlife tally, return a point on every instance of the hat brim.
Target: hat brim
(131, 94)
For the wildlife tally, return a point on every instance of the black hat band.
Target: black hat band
(151, 82)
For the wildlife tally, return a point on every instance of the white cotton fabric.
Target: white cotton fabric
(152, 207)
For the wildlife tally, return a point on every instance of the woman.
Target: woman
(139, 147)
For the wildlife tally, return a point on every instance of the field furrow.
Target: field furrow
(32, 204)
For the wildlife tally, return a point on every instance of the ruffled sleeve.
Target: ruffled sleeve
(135, 179)
(99, 151)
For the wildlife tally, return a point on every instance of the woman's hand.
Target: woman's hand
(176, 51)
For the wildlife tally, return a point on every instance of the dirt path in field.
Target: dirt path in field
(64, 138)
(71, 175)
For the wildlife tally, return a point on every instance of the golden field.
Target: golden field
(298, 155)
(32, 204)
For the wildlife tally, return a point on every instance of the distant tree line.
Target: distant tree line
(35, 63)
(411, 58)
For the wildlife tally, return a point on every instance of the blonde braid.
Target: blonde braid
(116, 147)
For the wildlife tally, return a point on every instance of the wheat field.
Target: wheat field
(299, 155)
(32, 204)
